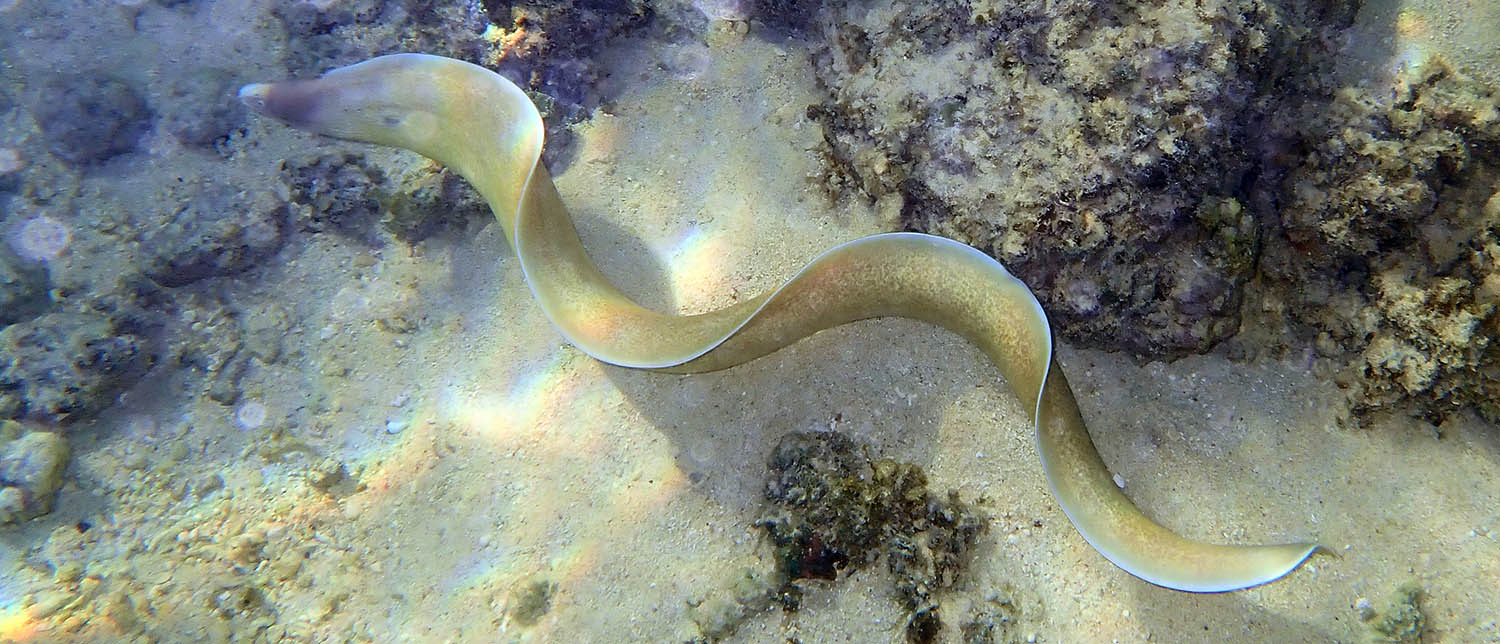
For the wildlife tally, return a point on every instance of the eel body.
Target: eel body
(485, 128)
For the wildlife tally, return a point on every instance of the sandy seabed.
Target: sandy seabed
(409, 487)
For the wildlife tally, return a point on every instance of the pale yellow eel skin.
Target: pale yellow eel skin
(482, 126)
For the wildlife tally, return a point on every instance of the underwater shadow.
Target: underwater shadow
(725, 424)
(1175, 616)
(473, 255)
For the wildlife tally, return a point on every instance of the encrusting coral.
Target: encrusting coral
(1099, 149)
(1388, 252)
(1168, 176)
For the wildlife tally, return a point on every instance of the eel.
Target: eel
(485, 128)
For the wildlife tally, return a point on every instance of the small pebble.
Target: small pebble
(10, 158)
(394, 426)
(1119, 481)
(42, 238)
(250, 415)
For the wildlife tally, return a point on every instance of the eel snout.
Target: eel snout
(292, 102)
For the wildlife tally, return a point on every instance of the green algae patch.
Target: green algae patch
(996, 621)
(530, 599)
(747, 593)
(1401, 620)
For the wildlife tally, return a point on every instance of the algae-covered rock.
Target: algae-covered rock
(833, 509)
(996, 621)
(747, 593)
(324, 35)
(1100, 151)
(67, 365)
(12, 504)
(347, 194)
(91, 117)
(337, 192)
(1166, 176)
(1389, 246)
(31, 472)
(224, 340)
(427, 200)
(203, 109)
(551, 50)
(23, 287)
(213, 231)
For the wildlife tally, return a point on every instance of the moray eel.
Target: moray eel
(485, 128)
